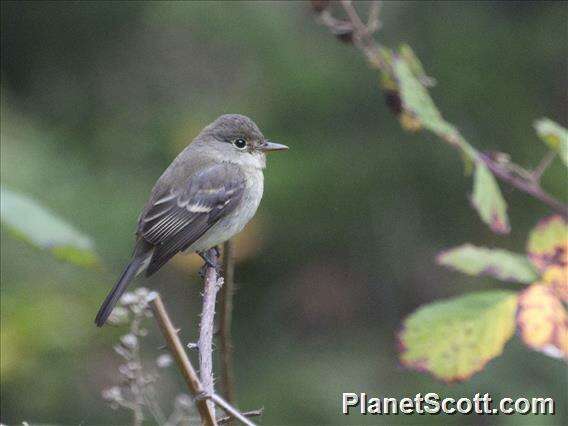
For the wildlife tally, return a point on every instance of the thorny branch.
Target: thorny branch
(253, 413)
(211, 284)
(184, 364)
(202, 397)
(225, 321)
(353, 29)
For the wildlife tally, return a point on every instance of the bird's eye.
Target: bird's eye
(240, 143)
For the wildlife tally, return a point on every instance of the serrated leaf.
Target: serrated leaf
(542, 321)
(31, 222)
(455, 338)
(488, 200)
(548, 243)
(555, 136)
(501, 264)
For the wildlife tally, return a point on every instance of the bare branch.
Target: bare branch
(373, 23)
(229, 409)
(531, 187)
(211, 284)
(253, 413)
(184, 364)
(226, 316)
(543, 165)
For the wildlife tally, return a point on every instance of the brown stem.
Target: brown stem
(253, 413)
(373, 23)
(531, 187)
(364, 40)
(229, 409)
(543, 165)
(226, 316)
(184, 364)
(211, 284)
(363, 35)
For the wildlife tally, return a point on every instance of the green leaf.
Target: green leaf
(29, 221)
(456, 338)
(488, 201)
(555, 136)
(416, 98)
(501, 264)
(415, 65)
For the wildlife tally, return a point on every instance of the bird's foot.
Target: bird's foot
(211, 258)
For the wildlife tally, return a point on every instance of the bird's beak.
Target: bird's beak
(267, 146)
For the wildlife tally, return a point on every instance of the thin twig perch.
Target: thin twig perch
(226, 315)
(211, 284)
(184, 364)
(529, 185)
(203, 399)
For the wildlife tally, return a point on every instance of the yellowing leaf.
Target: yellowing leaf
(488, 201)
(32, 223)
(409, 122)
(548, 243)
(500, 264)
(554, 135)
(556, 276)
(454, 339)
(542, 321)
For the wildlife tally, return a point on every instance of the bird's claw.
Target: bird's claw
(211, 259)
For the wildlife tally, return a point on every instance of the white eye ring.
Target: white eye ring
(240, 143)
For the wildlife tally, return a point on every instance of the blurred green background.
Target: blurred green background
(97, 99)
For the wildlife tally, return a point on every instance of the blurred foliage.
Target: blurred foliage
(98, 97)
(555, 136)
(32, 223)
(542, 319)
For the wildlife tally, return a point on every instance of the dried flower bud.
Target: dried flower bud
(129, 340)
(142, 293)
(122, 351)
(119, 315)
(164, 361)
(128, 298)
(112, 394)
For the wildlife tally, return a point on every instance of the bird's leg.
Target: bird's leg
(211, 258)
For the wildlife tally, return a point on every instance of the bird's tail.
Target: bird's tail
(119, 288)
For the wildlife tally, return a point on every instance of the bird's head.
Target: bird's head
(237, 138)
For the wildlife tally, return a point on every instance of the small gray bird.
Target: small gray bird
(208, 194)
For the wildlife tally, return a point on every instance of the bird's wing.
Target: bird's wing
(178, 218)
